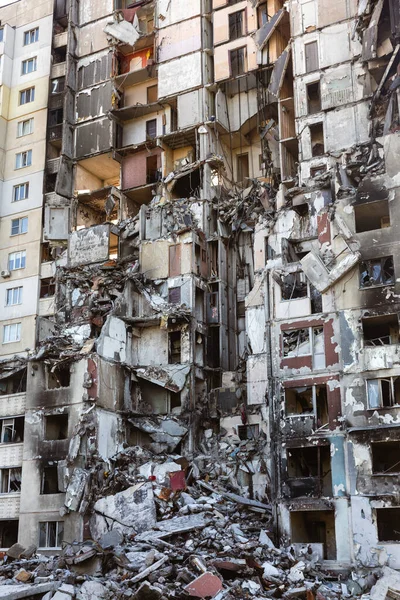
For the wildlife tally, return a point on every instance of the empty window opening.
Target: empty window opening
(311, 56)
(152, 94)
(242, 164)
(308, 400)
(310, 471)
(47, 288)
(10, 480)
(213, 306)
(58, 376)
(317, 139)
(237, 62)
(383, 393)
(388, 523)
(151, 129)
(316, 300)
(12, 430)
(15, 384)
(293, 286)
(56, 427)
(303, 342)
(175, 401)
(377, 272)
(313, 97)
(380, 331)
(315, 527)
(199, 302)
(199, 349)
(385, 457)
(51, 534)
(213, 350)
(318, 170)
(236, 25)
(56, 117)
(49, 483)
(188, 186)
(372, 215)
(158, 400)
(174, 347)
(174, 295)
(248, 432)
(152, 172)
(293, 251)
(8, 533)
(59, 54)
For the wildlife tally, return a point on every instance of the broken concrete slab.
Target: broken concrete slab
(390, 580)
(111, 539)
(130, 511)
(76, 488)
(174, 526)
(17, 592)
(93, 590)
(147, 592)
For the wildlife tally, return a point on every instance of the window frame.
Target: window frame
(312, 344)
(25, 186)
(27, 95)
(237, 29)
(26, 64)
(58, 532)
(23, 160)
(3, 471)
(28, 40)
(8, 327)
(231, 54)
(20, 127)
(21, 256)
(22, 226)
(368, 263)
(391, 379)
(17, 289)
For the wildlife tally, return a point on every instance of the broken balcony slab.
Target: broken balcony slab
(130, 511)
(174, 526)
(171, 377)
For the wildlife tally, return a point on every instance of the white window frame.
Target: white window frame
(22, 223)
(29, 65)
(23, 159)
(6, 472)
(314, 412)
(379, 380)
(31, 36)
(17, 257)
(27, 95)
(10, 327)
(7, 424)
(14, 296)
(58, 533)
(25, 127)
(17, 189)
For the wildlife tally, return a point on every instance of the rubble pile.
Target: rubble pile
(161, 528)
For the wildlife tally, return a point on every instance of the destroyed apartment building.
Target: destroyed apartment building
(199, 268)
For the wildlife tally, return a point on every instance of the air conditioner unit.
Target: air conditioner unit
(5, 273)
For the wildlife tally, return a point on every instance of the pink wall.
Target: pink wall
(134, 168)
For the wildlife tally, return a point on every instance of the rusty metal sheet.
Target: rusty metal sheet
(279, 71)
(174, 260)
(264, 33)
(177, 480)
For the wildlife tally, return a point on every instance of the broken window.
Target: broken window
(174, 347)
(380, 331)
(8, 533)
(15, 384)
(213, 348)
(317, 139)
(293, 286)
(49, 483)
(309, 469)
(308, 400)
(248, 432)
(296, 343)
(47, 287)
(293, 251)
(388, 524)
(237, 61)
(58, 377)
(151, 129)
(236, 25)
(315, 527)
(385, 457)
(174, 295)
(12, 430)
(318, 170)
(56, 427)
(242, 164)
(311, 56)
(379, 271)
(383, 393)
(51, 534)
(313, 97)
(152, 94)
(372, 215)
(10, 480)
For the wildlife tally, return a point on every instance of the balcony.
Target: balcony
(55, 132)
(303, 486)
(11, 455)
(60, 40)
(53, 165)
(58, 70)
(53, 449)
(12, 404)
(46, 306)
(9, 506)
